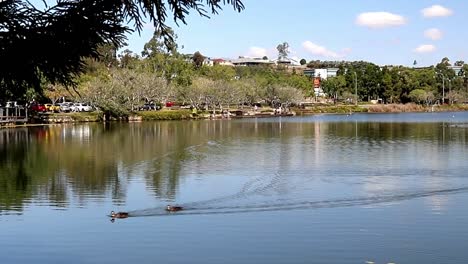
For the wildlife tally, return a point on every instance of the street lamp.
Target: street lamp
(355, 87)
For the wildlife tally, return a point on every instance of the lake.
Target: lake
(383, 188)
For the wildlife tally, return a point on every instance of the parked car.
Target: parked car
(52, 108)
(37, 107)
(80, 107)
(149, 107)
(169, 104)
(64, 107)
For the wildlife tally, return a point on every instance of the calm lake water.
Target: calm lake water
(387, 188)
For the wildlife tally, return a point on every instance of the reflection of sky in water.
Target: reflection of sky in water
(439, 117)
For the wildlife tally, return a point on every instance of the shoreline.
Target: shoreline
(177, 114)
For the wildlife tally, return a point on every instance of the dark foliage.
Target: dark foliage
(37, 45)
(49, 44)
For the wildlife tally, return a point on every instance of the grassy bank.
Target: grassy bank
(183, 114)
(411, 107)
(453, 107)
(396, 108)
(71, 117)
(331, 109)
(165, 115)
(98, 116)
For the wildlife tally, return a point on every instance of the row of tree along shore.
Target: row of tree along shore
(120, 85)
(89, 70)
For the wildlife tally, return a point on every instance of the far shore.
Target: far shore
(246, 112)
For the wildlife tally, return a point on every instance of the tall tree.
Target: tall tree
(283, 50)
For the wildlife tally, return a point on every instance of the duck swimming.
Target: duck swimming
(119, 214)
(174, 208)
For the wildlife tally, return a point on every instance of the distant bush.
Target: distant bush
(453, 107)
(396, 108)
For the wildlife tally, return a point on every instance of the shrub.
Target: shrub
(396, 108)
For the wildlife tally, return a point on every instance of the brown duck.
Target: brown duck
(119, 214)
(174, 208)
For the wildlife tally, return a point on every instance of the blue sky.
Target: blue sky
(330, 30)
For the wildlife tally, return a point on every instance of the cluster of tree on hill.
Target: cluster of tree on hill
(398, 84)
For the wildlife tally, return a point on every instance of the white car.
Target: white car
(81, 107)
(65, 107)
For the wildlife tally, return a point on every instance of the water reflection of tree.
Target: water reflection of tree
(19, 170)
(98, 161)
(175, 144)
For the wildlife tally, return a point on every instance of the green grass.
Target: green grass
(165, 115)
(77, 116)
(332, 109)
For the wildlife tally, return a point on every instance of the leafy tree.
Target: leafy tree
(455, 96)
(265, 58)
(418, 96)
(250, 91)
(334, 86)
(55, 92)
(303, 62)
(198, 59)
(128, 59)
(158, 44)
(218, 72)
(279, 95)
(71, 30)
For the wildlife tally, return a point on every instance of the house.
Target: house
(456, 69)
(222, 62)
(251, 62)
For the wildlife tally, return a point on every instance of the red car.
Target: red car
(36, 107)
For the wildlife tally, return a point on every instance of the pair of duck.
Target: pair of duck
(169, 208)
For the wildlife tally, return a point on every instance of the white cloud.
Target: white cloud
(319, 50)
(257, 52)
(425, 49)
(436, 11)
(380, 20)
(433, 33)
